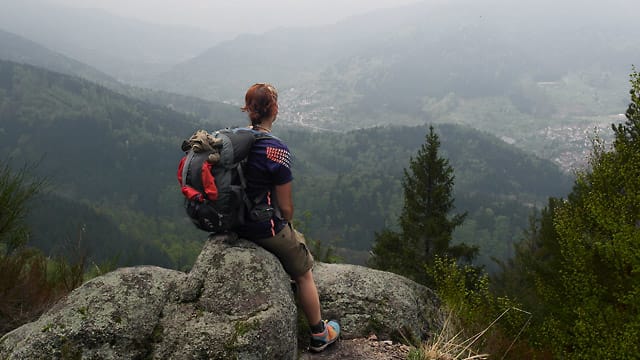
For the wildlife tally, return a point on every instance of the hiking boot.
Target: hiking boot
(330, 334)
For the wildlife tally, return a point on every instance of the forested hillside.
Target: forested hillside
(19, 49)
(110, 161)
(539, 74)
(543, 76)
(350, 183)
(514, 101)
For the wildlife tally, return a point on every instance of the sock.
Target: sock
(317, 328)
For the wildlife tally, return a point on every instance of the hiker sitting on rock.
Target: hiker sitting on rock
(268, 172)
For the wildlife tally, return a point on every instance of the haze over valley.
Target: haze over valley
(537, 79)
(482, 154)
(529, 72)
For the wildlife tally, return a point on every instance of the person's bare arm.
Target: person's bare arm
(285, 200)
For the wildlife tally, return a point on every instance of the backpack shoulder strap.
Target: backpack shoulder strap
(250, 203)
(185, 168)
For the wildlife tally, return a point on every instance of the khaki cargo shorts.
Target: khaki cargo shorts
(290, 248)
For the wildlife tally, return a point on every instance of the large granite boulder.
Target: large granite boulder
(227, 307)
(377, 302)
(236, 303)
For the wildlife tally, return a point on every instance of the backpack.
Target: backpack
(212, 179)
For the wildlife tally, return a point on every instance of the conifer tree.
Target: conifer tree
(598, 314)
(426, 223)
(584, 263)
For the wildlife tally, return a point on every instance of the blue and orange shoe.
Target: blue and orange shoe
(330, 334)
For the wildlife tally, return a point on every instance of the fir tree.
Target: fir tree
(425, 222)
(584, 261)
(598, 315)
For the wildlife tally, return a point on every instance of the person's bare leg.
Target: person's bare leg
(308, 297)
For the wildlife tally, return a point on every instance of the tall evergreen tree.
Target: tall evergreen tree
(599, 244)
(536, 261)
(586, 268)
(425, 222)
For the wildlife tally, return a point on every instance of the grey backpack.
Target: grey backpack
(211, 176)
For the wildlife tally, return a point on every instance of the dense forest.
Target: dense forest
(541, 80)
(570, 292)
(105, 158)
(426, 138)
(350, 183)
(110, 160)
(95, 174)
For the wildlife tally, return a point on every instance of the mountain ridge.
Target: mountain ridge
(18, 49)
(22, 50)
(121, 47)
(118, 155)
(514, 69)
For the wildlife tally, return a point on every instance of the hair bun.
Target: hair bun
(261, 101)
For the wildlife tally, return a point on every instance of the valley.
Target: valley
(418, 132)
(382, 76)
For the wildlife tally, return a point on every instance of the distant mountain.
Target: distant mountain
(402, 55)
(18, 49)
(112, 156)
(74, 121)
(124, 48)
(526, 71)
(287, 57)
(110, 161)
(483, 49)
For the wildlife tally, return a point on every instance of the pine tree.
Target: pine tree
(425, 222)
(584, 263)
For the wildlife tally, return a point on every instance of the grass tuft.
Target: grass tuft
(448, 345)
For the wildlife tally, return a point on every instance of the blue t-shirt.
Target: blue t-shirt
(268, 165)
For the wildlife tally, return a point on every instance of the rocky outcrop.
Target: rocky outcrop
(377, 302)
(235, 296)
(236, 302)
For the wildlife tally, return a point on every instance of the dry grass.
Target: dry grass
(449, 345)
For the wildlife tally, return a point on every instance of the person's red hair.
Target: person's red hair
(261, 102)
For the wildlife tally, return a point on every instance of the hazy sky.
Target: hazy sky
(236, 16)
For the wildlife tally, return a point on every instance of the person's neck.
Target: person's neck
(262, 128)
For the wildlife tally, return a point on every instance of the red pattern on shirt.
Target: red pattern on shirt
(279, 155)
